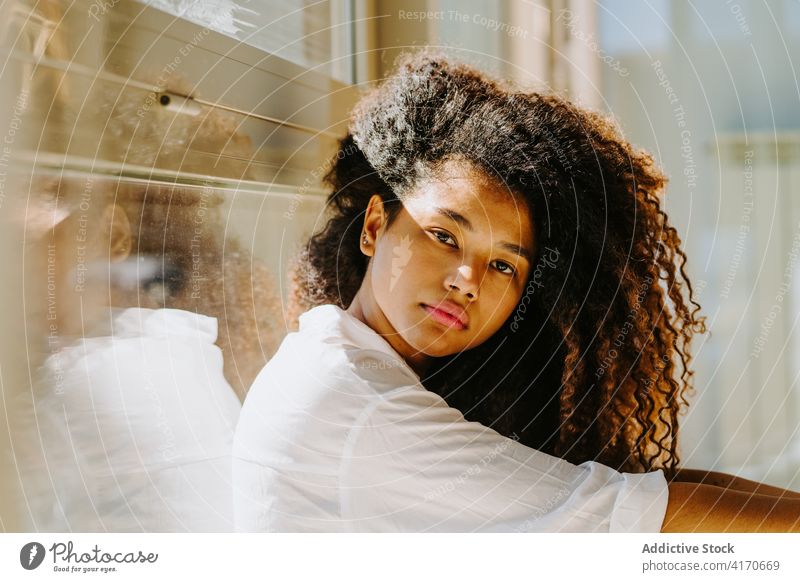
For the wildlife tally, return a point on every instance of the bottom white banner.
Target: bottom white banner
(380, 557)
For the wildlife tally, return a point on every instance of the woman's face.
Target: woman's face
(450, 269)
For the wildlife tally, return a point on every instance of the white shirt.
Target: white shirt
(132, 430)
(337, 434)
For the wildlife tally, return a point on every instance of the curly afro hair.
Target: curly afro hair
(594, 363)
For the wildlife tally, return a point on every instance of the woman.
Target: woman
(503, 255)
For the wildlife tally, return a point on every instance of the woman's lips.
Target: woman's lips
(445, 318)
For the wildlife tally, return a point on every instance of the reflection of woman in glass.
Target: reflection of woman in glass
(503, 255)
(133, 413)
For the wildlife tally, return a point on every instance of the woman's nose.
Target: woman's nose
(465, 281)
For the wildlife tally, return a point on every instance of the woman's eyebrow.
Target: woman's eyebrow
(516, 249)
(464, 221)
(455, 217)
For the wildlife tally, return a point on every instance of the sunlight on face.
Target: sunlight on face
(452, 266)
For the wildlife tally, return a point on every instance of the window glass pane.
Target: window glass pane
(709, 90)
(311, 33)
(154, 194)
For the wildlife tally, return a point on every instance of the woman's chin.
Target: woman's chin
(434, 346)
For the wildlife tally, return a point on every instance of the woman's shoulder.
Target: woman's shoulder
(314, 390)
(328, 370)
(331, 342)
(320, 345)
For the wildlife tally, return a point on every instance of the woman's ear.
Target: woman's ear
(118, 231)
(374, 222)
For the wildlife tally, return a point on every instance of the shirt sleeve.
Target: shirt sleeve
(412, 463)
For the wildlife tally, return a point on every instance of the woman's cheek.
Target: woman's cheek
(432, 262)
(508, 299)
(382, 260)
(502, 289)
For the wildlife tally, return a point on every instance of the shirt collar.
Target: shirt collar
(335, 321)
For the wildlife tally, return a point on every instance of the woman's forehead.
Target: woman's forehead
(484, 202)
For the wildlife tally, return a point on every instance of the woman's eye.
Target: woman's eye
(504, 268)
(444, 237)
